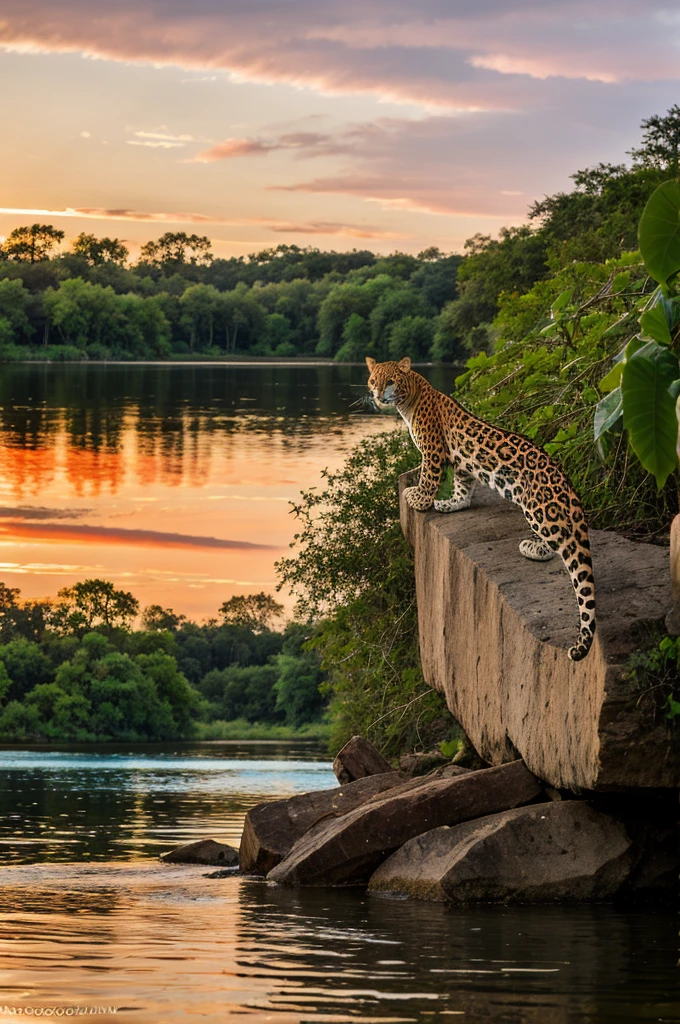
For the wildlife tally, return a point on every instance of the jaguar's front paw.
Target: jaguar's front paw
(417, 500)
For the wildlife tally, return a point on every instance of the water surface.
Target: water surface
(173, 480)
(90, 920)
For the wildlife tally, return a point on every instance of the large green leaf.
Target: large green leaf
(649, 408)
(608, 412)
(654, 324)
(659, 232)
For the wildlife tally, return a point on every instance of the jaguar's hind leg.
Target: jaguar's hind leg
(536, 550)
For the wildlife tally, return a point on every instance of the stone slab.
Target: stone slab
(546, 853)
(357, 760)
(494, 629)
(271, 829)
(346, 850)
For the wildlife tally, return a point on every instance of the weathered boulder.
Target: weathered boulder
(346, 850)
(414, 765)
(543, 853)
(357, 760)
(494, 629)
(203, 851)
(271, 829)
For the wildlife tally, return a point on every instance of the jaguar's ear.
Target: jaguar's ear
(371, 364)
(404, 364)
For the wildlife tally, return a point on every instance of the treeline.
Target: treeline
(89, 303)
(76, 670)
(177, 300)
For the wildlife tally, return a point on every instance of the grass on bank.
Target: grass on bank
(240, 729)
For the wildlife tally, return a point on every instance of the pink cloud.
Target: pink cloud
(434, 58)
(231, 148)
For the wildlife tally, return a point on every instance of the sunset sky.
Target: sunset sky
(388, 125)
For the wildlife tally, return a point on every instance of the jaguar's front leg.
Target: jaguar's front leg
(463, 489)
(421, 497)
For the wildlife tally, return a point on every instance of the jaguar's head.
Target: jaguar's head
(389, 383)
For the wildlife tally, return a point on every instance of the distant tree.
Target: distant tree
(97, 251)
(299, 678)
(410, 336)
(176, 248)
(660, 142)
(15, 302)
(32, 244)
(155, 618)
(93, 603)
(255, 611)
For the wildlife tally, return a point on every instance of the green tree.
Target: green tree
(660, 146)
(175, 249)
(353, 576)
(411, 336)
(201, 304)
(155, 618)
(254, 611)
(93, 603)
(98, 251)
(300, 677)
(15, 302)
(32, 244)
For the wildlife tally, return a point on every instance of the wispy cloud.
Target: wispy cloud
(116, 535)
(315, 227)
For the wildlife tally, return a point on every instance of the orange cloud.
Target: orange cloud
(115, 535)
(270, 224)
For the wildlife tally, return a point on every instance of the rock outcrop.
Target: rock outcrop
(203, 851)
(494, 629)
(271, 829)
(346, 850)
(357, 760)
(555, 852)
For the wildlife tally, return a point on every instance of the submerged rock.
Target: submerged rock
(552, 852)
(203, 851)
(346, 850)
(357, 760)
(271, 829)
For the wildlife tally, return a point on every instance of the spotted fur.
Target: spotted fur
(444, 431)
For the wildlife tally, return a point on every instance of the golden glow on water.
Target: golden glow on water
(175, 482)
(90, 919)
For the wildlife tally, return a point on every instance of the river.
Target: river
(91, 923)
(155, 477)
(172, 480)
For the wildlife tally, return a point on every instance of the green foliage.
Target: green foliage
(75, 670)
(31, 244)
(253, 611)
(353, 575)
(656, 671)
(649, 408)
(555, 344)
(643, 385)
(659, 232)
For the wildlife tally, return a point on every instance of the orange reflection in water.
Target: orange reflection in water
(185, 517)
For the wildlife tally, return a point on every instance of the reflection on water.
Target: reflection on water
(166, 944)
(161, 476)
(130, 802)
(163, 943)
